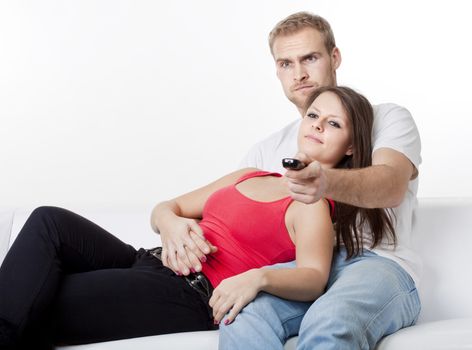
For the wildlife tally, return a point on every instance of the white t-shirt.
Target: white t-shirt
(393, 128)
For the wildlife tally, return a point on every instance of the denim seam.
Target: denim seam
(398, 295)
(301, 314)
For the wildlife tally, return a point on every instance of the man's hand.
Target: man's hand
(184, 246)
(234, 293)
(309, 184)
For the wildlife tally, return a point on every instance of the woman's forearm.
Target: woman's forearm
(301, 283)
(163, 214)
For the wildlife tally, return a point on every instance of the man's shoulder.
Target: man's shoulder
(286, 130)
(383, 110)
(267, 154)
(286, 133)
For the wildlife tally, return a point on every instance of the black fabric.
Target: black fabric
(196, 280)
(66, 280)
(7, 335)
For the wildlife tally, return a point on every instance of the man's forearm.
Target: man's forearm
(377, 186)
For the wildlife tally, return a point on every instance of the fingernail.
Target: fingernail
(226, 322)
(178, 273)
(215, 322)
(193, 270)
(203, 259)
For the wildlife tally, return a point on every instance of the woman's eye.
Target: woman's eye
(312, 115)
(336, 125)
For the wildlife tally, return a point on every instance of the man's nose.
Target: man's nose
(300, 73)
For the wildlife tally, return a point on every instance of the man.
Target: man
(370, 295)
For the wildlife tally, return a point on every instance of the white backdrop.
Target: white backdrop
(125, 103)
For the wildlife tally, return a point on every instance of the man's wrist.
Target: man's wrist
(327, 189)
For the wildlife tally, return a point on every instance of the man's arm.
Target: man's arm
(382, 185)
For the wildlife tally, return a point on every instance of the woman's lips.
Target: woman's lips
(314, 138)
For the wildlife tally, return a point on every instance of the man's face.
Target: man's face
(303, 64)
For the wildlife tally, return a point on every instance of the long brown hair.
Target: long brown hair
(351, 220)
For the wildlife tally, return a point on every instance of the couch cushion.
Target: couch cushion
(179, 341)
(441, 335)
(441, 236)
(189, 340)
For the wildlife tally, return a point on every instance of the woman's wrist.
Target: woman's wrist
(262, 279)
(163, 218)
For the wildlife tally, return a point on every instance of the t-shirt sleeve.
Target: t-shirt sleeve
(395, 128)
(268, 153)
(253, 158)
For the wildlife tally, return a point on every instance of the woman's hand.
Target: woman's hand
(184, 246)
(234, 293)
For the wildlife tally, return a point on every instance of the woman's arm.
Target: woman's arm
(314, 239)
(175, 221)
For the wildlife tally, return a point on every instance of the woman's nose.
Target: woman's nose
(317, 125)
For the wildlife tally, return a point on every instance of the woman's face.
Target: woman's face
(325, 131)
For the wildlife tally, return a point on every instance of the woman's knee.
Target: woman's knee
(44, 222)
(45, 213)
(46, 210)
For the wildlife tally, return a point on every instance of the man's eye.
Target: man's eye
(284, 64)
(336, 125)
(311, 58)
(312, 115)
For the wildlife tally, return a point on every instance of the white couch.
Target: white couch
(441, 236)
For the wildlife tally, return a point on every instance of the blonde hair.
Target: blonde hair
(301, 20)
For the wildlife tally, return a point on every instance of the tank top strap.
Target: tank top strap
(332, 209)
(257, 173)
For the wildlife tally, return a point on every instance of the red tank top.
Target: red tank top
(248, 233)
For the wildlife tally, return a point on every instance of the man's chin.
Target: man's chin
(299, 101)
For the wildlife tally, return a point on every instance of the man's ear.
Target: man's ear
(349, 151)
(336, 58)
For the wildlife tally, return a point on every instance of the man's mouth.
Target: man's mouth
(303, 87)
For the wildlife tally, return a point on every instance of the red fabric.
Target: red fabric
(249, 234)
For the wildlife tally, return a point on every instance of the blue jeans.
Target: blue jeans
(367, 298)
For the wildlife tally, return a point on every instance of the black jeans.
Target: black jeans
(66, 280)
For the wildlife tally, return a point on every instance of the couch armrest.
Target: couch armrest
(6, 222)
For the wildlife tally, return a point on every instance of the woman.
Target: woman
(66, 280)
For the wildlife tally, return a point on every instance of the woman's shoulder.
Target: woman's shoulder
(319, 210)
